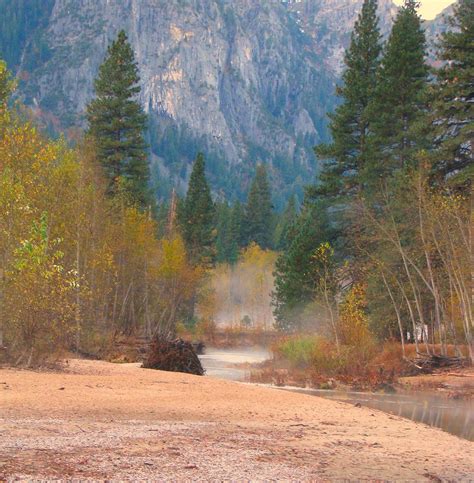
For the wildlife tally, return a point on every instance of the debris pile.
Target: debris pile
(429, 362)
(173, 356)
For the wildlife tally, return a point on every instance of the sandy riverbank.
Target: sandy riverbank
(457, 383)
(105, 421)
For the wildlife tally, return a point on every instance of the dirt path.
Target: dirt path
(106, 421)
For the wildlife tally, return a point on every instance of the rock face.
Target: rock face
(329, 23)
(245, 81)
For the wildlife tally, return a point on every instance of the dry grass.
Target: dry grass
(308, 360)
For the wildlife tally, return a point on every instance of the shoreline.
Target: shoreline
(448, 383)
(100, 420)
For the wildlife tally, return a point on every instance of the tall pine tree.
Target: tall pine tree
(117, 123)
(454, 98)
(227, 234)
(197, 217)
(285, 222)
(350, 124)
(259, 211)
(399, 108)
(296, 280)
(237, 218)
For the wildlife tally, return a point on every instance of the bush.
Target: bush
(323, 357)
(39, 307)
(298, 351)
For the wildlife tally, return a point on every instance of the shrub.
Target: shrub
(39, 300)
(298, 351)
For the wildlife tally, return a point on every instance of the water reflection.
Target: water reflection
(453, 416)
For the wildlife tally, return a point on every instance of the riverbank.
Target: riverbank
(454, 384)
(99, 420)
(448, 383)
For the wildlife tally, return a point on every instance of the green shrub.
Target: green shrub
(323, 357)
(298, 351)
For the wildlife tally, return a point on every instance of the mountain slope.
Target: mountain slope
(237, 80)
(244, 81)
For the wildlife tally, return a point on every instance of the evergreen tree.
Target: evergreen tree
(229, 221)
(399, 107)
(350, 124)
(286, 220)
(295, 282)
(222, 210)
(454, 98)
(197, 217)
(117, 123)
(259, 211)
(237, 216)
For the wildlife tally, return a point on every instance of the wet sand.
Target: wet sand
(105, 421)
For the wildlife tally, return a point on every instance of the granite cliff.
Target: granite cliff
(245, 81)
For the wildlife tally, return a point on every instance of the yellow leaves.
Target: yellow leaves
(7, 85)
(244, 289)
(254, 256)
(353, 320)
(97, 266)
(324, 253)
(173, 269)
(173, 257)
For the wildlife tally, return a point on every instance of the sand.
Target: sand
(97, 420)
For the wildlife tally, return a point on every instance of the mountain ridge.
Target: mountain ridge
(244, 81)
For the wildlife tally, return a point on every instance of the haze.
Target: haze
(430, 8)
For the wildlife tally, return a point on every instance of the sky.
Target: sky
(430, 8)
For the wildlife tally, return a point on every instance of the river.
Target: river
(451, 415)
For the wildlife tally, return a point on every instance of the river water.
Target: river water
(454, 416)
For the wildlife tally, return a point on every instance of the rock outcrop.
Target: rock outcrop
(245, 81)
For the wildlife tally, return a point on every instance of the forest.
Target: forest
(378, 259)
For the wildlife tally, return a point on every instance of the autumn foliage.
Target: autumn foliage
(77, 267)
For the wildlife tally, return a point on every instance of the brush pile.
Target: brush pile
(173, 356)
(428, 362)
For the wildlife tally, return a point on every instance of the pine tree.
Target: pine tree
(399, 107)
(237, 218)
(225, 245)
(117, 123)
(295, 282)
(286, 220)
(197, 217)
(454, 96)
(350, 124)
(259, 211)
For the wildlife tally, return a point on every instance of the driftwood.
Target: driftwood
(173, 356)
(430, 362)
(199, 347)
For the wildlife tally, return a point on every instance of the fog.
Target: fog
(243, 292)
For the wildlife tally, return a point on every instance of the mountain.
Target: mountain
(436, 27)
(329, 24)
(244, 81)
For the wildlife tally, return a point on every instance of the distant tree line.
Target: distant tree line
(216, 232)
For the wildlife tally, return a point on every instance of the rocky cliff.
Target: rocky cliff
(245, 81)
